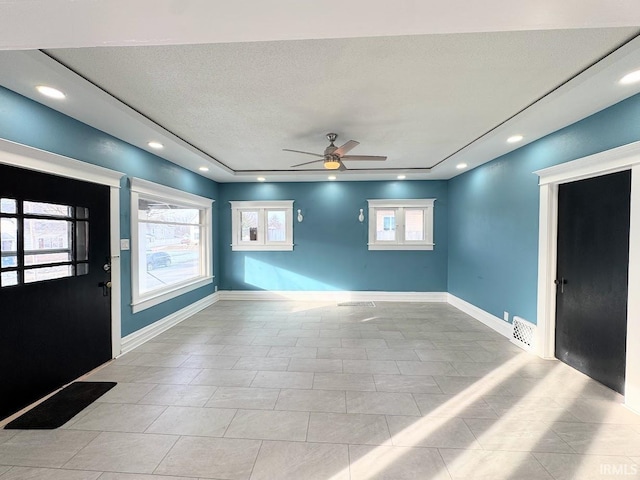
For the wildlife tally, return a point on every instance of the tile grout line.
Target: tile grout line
(230, 422)
(446, 468)
(306, 433)
(386, 421)
(166, 454)
(166, 407)
(541, 464)
(255, 461)
(80, 449)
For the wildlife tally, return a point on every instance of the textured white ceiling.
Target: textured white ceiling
(235, 82)
(416, 99)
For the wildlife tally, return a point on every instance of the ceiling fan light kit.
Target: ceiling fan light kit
(332, 163)
(333, 157)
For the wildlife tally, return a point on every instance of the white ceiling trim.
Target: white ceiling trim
(93, 106)
(26, 25)
(70, 23)
(586, 94)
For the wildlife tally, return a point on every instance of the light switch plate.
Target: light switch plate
(124, 244)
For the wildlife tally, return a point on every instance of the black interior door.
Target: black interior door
(56, 320)
(592, 278)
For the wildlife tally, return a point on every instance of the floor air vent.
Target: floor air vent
(524, 333)
(356, 304)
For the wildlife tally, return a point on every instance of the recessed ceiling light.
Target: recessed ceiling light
(630, 78)
(204, 169)
(331, 177)
(460, 166)
(261, 179)
(156, 145)
(401, 177)
(514, 138)
(50, 92)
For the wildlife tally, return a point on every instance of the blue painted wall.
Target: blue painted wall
(30, 123)
(330, 250)
(493, 212)
(486, 220)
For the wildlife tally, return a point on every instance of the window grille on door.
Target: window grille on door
(42, 241)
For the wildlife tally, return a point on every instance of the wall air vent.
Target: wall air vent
(356, 304)
(524, 333)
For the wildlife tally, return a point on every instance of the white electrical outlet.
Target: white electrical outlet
(215, 288)
(505, 315)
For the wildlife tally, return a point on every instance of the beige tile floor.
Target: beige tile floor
(302, 391)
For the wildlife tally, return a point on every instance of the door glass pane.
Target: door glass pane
(7, 205)
(82, 268)
(249, 226)
(43, 258)
(82, 241)
(8, 278)
(385, 225)
(9, 242)
(276, 229)
(47, 241)
(414, 225)
(47, 273)
(52, 209)
(157, 211)
(82, 213)
(164, 258)
(9, 260)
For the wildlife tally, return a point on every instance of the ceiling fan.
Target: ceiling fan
(333, 156)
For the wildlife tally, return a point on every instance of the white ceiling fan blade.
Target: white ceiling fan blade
(307, 163)
(351, 144)
(305, 153)
(368, 158)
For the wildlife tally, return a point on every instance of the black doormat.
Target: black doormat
(62, 407)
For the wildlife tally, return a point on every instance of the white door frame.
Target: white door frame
(617, 159)
(30, 158)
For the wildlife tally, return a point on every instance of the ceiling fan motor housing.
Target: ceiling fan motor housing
(331, 148)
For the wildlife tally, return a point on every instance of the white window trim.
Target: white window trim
(163, 193)
(262, 244)
(425, 204)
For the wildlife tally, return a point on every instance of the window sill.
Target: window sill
(262, 248)
(423, 246)
(154, 299)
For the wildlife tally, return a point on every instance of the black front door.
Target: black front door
(56, 319)
(592, 278)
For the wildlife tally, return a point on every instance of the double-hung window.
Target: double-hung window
(401, 224)
(170, 241)
(262, 225)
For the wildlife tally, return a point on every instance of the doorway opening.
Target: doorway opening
(54, 203)
(615, 160)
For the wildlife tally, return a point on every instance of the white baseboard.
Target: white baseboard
(333, 296)
(491, 321)
(145, 334)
